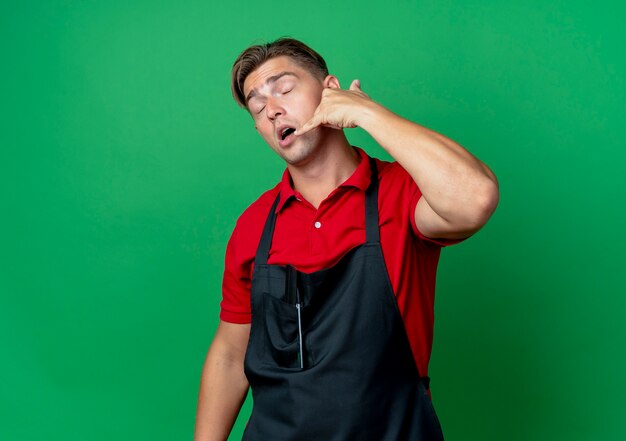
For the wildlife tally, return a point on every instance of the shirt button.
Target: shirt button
(318, 224)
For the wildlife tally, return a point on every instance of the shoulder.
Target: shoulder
(249, 225)
(394, 179)
(390, 170)
(260, 208)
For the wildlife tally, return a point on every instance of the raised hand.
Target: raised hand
(338, 108)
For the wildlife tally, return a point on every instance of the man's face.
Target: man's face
(281, 96)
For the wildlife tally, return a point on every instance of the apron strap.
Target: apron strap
(263, 250)
(372, 234)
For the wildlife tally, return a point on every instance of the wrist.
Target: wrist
(369, 115)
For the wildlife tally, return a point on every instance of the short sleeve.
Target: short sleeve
(239, 261)
(440, 242)
(235, 305)
(413, 194)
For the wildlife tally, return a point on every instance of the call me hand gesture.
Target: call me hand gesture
(459, 191)
(339, 108)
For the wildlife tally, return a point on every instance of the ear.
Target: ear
(332, 82)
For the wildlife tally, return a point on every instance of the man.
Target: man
(328, 294)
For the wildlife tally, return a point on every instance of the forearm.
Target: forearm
(223, 389)
(456, 185)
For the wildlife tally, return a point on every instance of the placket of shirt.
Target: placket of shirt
(316, 230)
(308, 212)
(320, 227)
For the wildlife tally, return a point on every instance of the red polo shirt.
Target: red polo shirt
(312, 240)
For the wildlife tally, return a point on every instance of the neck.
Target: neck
(333, 163)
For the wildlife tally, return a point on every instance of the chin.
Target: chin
(295, 159)
(299, 152)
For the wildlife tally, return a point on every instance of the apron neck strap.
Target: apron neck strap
(372, 234)
(263, 251)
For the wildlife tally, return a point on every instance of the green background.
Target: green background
(125, 164)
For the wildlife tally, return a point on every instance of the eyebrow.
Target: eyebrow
(270, 80)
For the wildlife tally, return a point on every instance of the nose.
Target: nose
(274, 108)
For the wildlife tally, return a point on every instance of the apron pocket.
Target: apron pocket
(282, 340)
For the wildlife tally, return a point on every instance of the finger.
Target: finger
(356, 85)
(310, 124)
(332, 126)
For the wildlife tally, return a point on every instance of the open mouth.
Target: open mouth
(286, 132)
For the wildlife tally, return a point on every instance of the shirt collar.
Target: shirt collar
(360, 179)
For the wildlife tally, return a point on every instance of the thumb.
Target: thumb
(356, 85)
